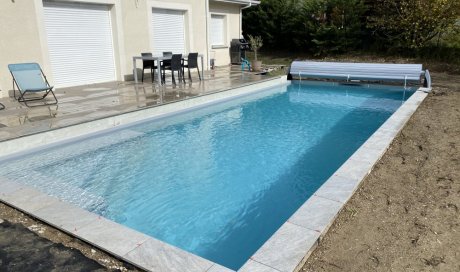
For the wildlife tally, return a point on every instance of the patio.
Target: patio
(91, 102)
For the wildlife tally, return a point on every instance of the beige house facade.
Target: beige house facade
(90, 41)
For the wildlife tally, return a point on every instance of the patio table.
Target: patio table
(158, 59)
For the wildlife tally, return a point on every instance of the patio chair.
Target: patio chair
(29, 78)
(148, 64)
(192, 62)
(176, 65)
(165, 64)
(2, 107)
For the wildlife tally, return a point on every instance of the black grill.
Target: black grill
(238, 48)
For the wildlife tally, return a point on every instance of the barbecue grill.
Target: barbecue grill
(238, 48)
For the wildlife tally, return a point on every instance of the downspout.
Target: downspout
(206, 4)
(241, 18)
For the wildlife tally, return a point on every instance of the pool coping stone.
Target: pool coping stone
(286, 250)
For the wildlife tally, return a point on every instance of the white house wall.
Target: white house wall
(232, 14)
(23, 36)
(19, 39)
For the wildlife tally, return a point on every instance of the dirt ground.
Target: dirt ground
(26, 251)
(405, 216)
(29, 245)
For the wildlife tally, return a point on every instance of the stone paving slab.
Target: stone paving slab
(155, 255)
(338, 189)
(316, 213)
(66, 216)
(286, 247)
(252, 266)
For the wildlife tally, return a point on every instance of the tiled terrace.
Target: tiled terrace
(91, 102)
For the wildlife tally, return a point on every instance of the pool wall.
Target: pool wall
(286, 250)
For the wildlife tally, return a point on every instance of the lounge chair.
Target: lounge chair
(29, 78)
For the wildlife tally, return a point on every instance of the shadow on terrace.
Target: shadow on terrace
(90, 102)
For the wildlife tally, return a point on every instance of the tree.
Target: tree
(412, 23)
(278, 22)
(256, 43)
(335, 25)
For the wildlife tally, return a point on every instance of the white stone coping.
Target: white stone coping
(286, 250)
(289, 247)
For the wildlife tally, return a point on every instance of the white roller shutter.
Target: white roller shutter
(168, 31)
(80, 43)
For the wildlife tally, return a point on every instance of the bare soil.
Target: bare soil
(29, 245)
(26, 251)
(405, 215)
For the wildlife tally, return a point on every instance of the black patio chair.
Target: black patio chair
(192, 62)
(165, 64)
(148, 64)
(175, 65)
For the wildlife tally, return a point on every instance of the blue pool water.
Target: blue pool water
(218, 181)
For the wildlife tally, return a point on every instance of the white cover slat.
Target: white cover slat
(217, 30)
(80, 43)
(168, 31)
(360, 71)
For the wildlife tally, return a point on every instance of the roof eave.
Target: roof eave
(240, 2)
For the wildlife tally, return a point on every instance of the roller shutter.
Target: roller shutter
(80, 43)
(168, 31)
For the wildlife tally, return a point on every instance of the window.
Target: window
(218, 30)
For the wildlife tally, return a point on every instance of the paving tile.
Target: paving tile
(155, 255)
(29, 200)
(316, 213)
(286, 248)
(252, 266)
(338, 189)
(219, 268)
(8, 187)
(111, 236)
(353, 169)
(367, 154)
(66, 216)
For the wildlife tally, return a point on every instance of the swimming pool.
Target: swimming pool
(217, 181)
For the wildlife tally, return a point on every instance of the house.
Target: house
(81, 42)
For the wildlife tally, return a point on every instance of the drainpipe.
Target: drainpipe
(241, 18)
(206, 7)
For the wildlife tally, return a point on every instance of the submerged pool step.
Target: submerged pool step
(62, 190)
(54, 156)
